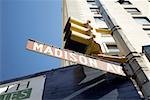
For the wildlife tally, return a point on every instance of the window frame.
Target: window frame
(143, 17)
(90, 0)
(125, 2)
(92, 3)
(111, 50)
(95, 10)
(137, 11)
(101, 19)
(147, 30)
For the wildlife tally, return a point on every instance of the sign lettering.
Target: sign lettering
(74, 57)
(19, 95)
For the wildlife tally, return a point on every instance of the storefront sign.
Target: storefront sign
(74, 57)
(18, 95)
(28, 89)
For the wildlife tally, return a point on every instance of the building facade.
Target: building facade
(129, 22)
(131, 16)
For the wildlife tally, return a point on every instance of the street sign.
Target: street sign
(75, 57)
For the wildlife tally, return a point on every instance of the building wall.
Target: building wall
(82, 9)
(134, 31)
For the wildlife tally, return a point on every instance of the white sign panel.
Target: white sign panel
(27, 89)
(75, 57)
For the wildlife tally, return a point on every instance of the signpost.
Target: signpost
(74, 57)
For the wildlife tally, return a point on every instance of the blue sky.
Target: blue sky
(40, 20)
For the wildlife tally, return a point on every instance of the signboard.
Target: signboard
(74, 57)
(28, 89)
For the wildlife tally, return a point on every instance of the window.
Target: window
(112, 47)
(146, 50)
(148, 35)
(99, 19)
(106, 35)
(132, 10)
(147, 30)
(95, 10)
(142, 20)
(90, 0)
(124, 2)
(93, 3)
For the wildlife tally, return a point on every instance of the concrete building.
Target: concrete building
(129, 24)
(131, 16)
(129, 21)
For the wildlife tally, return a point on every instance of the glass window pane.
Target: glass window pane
(98, 19)
(91, 3)
(142, 20)
(147, 30)
(132, 10)
(112, 48)
(90, 0)
(124, 2)
(95, 10)
(148, 35)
